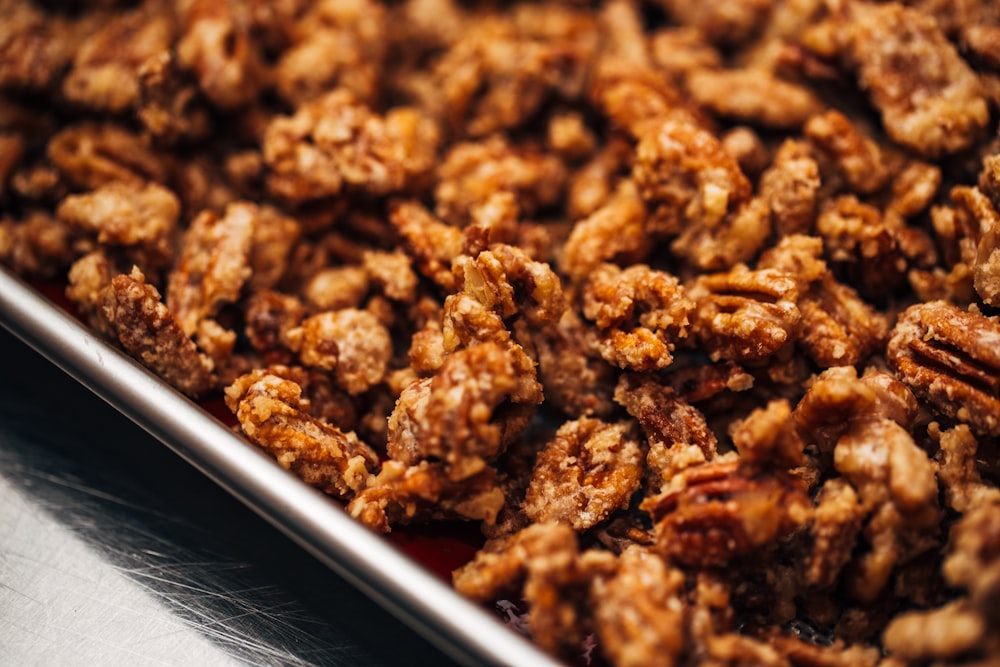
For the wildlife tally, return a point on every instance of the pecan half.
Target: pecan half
(951, 358)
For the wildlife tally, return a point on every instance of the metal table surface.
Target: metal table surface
(114, 551)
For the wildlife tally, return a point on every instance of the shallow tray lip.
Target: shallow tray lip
(403, 587)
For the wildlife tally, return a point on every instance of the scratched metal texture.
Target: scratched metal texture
(114, 551)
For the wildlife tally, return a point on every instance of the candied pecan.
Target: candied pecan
(89, 155)
(680, 51)
(914, 188)
(640, 312)
(213, 264)
(948, 356)
(837, 327)
(747, 148)
(270, 317)
(836, 524)
(12, 149)
(576, 380)
(274, 415)
(685, 176)
(393, 273)
(471, 172)
(745, 315)
(498, 74)
(710, 514)
(458, 415)
(334, 45)
(613, 232)
(639, 611)
(501, 566)
(34, 47)
(677, 433)
(568, 136)
(336, 287)
(790, 186)
(587, 471)
(431, 243)
(401, 494)
(973, 560)
(39, 244)
(859, 238)
(126, 214)
(856, 158)
(169, 105)
(335, 141)
(217, 45)
(104, 72)
(836, 398)
(754, 96)
(466, 322)
(350, 342)
(896, 483)
(87, 279)
(986, 271)
(802, 653)
(958, 470)
(504, 279)
(929, 98)
(274, 236)
(768, 437)
(151, 333)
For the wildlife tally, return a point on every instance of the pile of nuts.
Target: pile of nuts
(692, 306)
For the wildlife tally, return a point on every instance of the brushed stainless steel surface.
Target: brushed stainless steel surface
(461, 630)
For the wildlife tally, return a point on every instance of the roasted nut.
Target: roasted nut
(640, 313)
(588, 470)
(152, 334)
(948, 357)
(713, 513)
(745, 315)
(273, 414)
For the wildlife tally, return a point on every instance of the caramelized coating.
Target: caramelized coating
(615, 231)
(588, 470)
(89, 155)
(639, 611)
(640, 313)
(335, 142)
(714, 513)
(152, 334)
(401, 494)
(685, 176)
(126, 214)
(351, 343)
(457, 415)
(930, 100)
(949, 357)
(273, 414)
(753, 96)
(213, 264)
(745, 315)
(104, 73)
(217, 45)
(677, 433)
(856, 158)
(472, 172)
(334, 45)
(34, 48)
(790, 186)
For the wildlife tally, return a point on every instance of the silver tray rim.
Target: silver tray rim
(395, 581)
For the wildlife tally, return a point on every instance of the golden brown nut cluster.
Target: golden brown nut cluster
(691, 306)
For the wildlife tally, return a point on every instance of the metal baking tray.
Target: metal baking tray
(400, 584)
